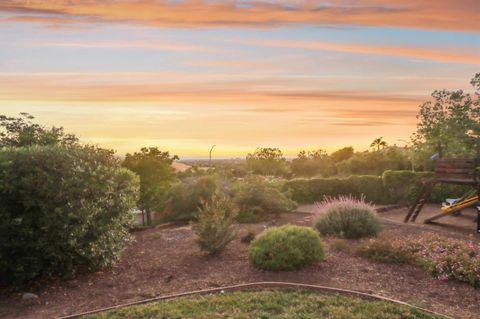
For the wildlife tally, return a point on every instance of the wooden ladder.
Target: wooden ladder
(422, 198)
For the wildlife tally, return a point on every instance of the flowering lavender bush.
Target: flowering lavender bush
(347, 217)
(446, 258)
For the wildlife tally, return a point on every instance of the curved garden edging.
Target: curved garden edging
(267, 284)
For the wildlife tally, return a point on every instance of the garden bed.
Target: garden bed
(166, 261)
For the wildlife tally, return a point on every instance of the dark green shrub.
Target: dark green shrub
(248, 238)
(62, 209)
(214, 224)
(384, 252)
(256, 195)
(286, 248)
(347, 217)
(185, 197)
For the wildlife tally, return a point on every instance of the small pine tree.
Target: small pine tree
(214, 224)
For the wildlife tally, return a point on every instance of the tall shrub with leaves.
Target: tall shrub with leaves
(446, 121)
(156, 174)
(62, 209)
(214, 224)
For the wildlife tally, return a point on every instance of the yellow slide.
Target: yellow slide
(470, 201)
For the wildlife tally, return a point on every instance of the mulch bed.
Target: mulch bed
(167, 260)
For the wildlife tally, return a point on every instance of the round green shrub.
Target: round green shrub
(286, 248)
(347, 217)
(62, 209)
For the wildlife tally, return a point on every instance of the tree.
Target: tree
(267, 161)
(447, 121)
(342, 154)
(475, 82)
(21, 131)
(311, 163)
(378, 143)
(156, 173)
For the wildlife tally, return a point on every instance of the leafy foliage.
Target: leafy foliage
(347, 217)
(256, 195)
(62, 209)
(375, 163)
(156, 173)
(447, 120)
(214, 224)
(312, 163)
(286, 248)
(311, 190)
(267, 161)
(447, 258)
(21, 131)
(342, 154)
(378, 143)
(185, 197)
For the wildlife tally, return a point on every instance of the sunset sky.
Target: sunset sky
(183, 75)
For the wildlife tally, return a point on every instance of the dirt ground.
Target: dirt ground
(167, 260)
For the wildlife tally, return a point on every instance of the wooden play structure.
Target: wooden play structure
(460, 171)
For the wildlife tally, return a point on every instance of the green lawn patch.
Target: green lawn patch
(271, 303)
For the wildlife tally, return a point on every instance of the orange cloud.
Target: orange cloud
(434, 54)
(439, 14)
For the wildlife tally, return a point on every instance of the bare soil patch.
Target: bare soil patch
(167, 260)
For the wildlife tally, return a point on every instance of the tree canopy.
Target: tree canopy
(448, 122)
(22, 131)
(267, 160)
(311, 163)
(378, 143)
(156, 173)
(342, 154)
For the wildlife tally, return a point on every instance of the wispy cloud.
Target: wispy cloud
(440, 14)
(153, 44)
(470, 56)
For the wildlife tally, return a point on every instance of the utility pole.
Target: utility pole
(210, 161)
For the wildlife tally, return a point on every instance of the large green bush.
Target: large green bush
(256, 195)
(347, 217)
(286, 248)
(62, 209)
(186, 196)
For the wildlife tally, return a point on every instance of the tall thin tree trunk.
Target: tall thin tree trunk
(149, 217)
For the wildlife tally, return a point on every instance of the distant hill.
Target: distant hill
(180, 167)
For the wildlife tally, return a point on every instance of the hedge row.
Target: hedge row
(390, 188)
